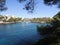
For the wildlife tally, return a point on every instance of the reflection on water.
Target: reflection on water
(18, 34)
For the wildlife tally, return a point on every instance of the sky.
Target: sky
(41, 10)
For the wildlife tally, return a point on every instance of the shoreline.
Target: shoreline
(7, 22)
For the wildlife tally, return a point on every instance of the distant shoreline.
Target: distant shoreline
(7, 22)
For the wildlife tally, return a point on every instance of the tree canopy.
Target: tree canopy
(2, 5)
(52, 33)
(30, 4)
(52, 2)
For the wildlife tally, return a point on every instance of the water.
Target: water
(19, 34)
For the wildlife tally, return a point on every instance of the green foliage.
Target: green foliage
(30, 4)
(11, 20)
(4, 21)
(17, 19)
(52, 2)
(56, 20)
(2, 5)
(52, 33)
(1, 17)
(14, 19)
(39, 20)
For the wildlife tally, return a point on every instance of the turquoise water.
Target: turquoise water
(19, 34)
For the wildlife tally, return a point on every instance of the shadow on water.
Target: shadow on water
(51, 35)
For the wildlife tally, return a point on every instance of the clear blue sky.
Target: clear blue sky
(41, 10)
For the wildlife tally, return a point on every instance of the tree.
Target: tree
(1, 17)
(11, 19)
(29, 6)
(52, 2)
(51, 33)
(2, 5)
(56, 20)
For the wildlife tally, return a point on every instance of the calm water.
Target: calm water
(19, 34)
